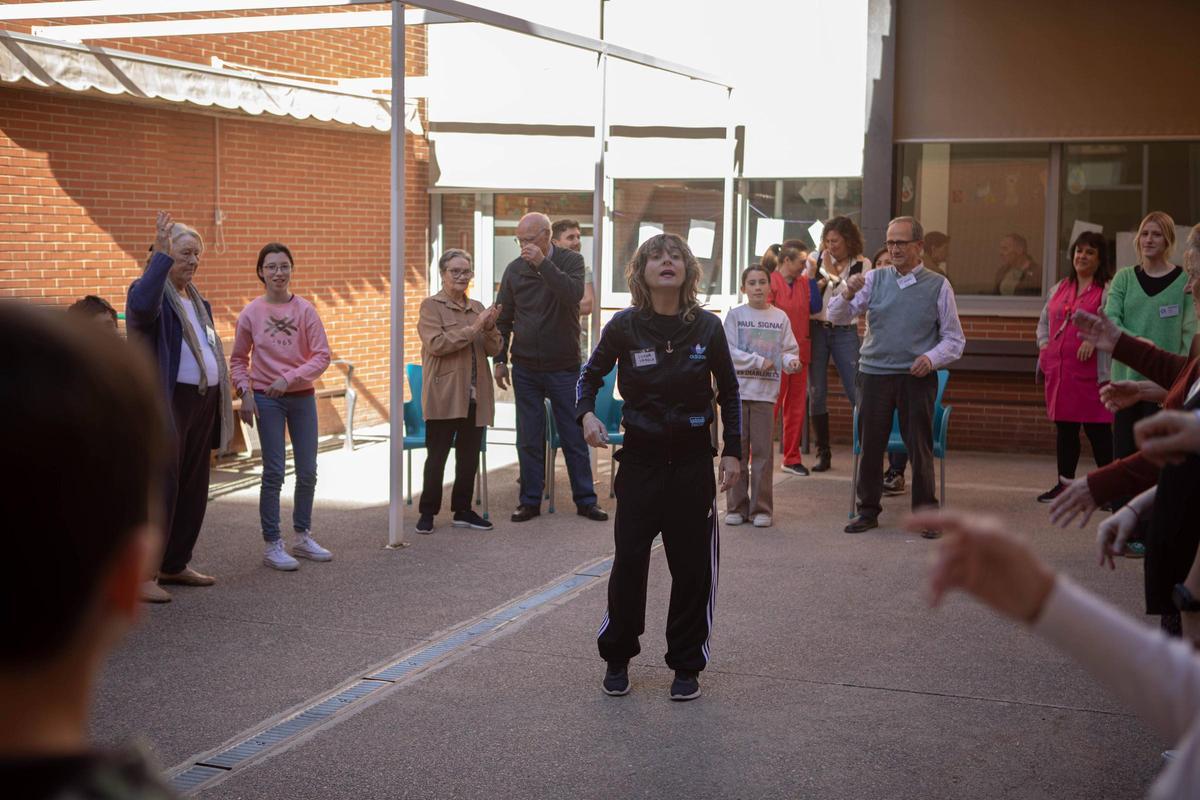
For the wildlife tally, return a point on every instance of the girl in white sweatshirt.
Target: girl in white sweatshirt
(762, 345)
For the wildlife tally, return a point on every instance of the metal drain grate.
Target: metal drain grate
(192, 777)
(196, 776)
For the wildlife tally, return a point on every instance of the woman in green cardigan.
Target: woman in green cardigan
(1148, 301)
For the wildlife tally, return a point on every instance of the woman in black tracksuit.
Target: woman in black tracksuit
(667, 351)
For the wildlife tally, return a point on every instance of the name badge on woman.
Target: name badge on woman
(212, 336)
(645, 358)
(1165, 312)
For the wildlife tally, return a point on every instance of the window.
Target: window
(990, 200)
(792, 206)
(1114, 185)
(691, 209)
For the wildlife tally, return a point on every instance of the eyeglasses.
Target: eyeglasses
(531, 239)
(273, 268)
(460, 273)
(893, 244)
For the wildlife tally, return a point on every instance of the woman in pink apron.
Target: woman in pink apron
(1073, 370)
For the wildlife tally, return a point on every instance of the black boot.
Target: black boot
(821, 429)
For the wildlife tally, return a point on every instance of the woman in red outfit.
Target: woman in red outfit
(790, 292)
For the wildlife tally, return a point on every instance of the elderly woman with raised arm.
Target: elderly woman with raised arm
(166, 311)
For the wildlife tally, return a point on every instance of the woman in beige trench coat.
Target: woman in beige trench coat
(457, 336)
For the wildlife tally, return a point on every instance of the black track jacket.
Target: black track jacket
(668, 395)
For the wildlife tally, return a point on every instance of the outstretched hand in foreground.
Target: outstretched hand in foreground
(976, 555)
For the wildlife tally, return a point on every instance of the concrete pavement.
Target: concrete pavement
(830, 677)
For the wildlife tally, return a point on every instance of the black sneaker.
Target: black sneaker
(893, 482)
(1048, 497)
(796, 469)
(860, 524)
(616, 680)
(686, 686)
(469, 519)
(425, 524)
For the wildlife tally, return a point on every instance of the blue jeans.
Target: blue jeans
(299, 413)
(532, 388)
(842, 344)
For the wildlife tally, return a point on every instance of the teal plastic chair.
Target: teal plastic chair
(608, 410)
(941, 426)
(414, 437)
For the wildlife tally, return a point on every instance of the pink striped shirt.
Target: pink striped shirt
(288, 341)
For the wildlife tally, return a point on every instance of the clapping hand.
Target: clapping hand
(853, 284)
(1097, 330)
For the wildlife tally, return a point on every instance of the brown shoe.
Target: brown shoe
(153, 593)
(187, 577)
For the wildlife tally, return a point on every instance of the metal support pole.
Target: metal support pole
(599, 210)
(396, 400)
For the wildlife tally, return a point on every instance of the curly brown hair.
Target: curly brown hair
(845, 227)
(635, 274)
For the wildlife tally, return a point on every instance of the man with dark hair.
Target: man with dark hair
(97, 310)
(82, 415)
(913, 330)
(539, 320)
(567, 234)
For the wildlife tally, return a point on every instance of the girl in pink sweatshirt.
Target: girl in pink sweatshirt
(290, 351)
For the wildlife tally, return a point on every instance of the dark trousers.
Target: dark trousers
(465, 436)
(1173, 535)
(678, 501)
(195, 416)
(1098, 433)
(1122, 430)
(878, 397)
(532, 389)
(1122, 436)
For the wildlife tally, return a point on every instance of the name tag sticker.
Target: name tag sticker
(696, 422)
(1168, 311)
(645, 358)
(212, 336)
(906, 281)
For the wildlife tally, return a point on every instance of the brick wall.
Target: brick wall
(81, 178)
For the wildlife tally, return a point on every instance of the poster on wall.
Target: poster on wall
(1126, 253)
(1081, 227)
(815, 232)
(648, 229)
(701, 234)
(767, 232)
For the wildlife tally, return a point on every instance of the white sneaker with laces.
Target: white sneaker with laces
(306, 546)
(762, 520)
(276, 557)
(734, 519)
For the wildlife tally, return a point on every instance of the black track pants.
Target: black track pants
(678, 501)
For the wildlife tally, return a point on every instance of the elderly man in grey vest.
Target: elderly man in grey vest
(912, 331)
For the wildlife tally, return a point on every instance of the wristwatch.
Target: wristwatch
(1184, 599)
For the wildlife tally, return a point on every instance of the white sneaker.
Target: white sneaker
(762, 520)
(306, 546)
(277, 558)
(734, 519)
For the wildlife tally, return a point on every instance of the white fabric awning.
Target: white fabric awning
(79, 68)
